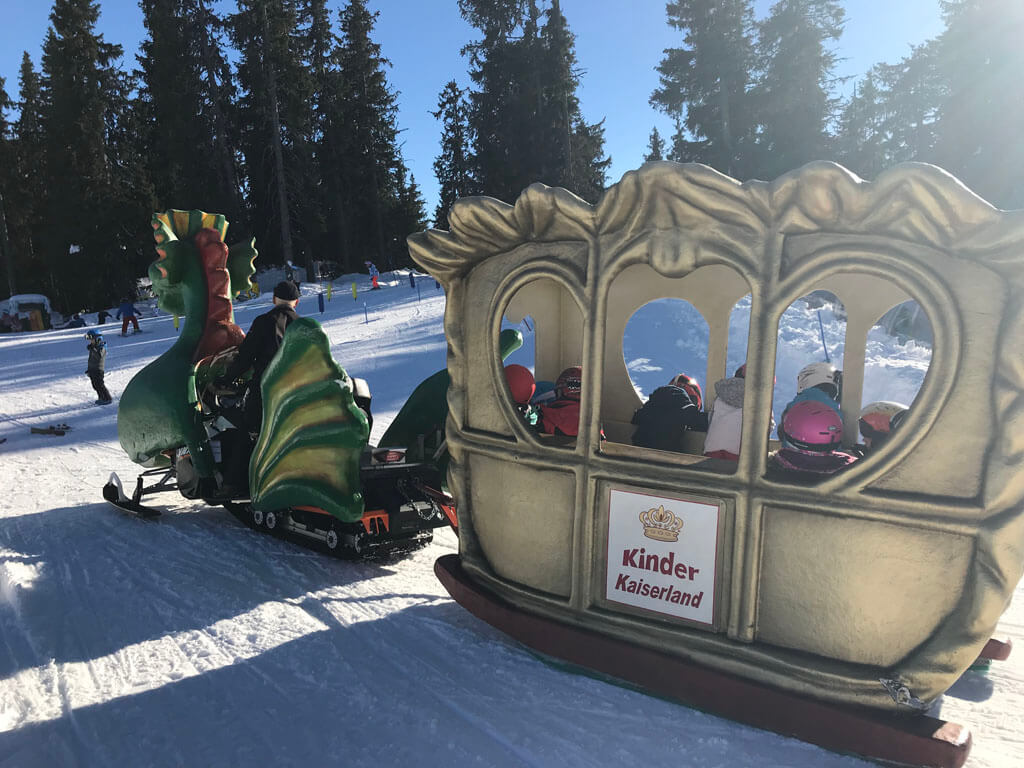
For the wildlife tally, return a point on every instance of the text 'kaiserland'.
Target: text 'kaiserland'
(637, 557)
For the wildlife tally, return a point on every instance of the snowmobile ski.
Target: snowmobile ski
(115, 495)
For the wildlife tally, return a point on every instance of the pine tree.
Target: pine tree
(261, 31)
(184, 103)
(981, 115)
(705, 83)
(8, 179)
(861, 140)
(794, 95)
(655, 147)
(525, 117)
(80, 85)
(453, 166)
(377, 208)
(25, 210)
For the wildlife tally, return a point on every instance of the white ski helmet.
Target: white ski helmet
(878, 419)
(816, 374)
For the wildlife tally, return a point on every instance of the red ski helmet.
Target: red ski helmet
(878, 419)
(689, 384)
(520, 383)
(569, 383)
(811, 427)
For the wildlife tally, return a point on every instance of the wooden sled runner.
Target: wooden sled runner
(904, 740)
(835, 610)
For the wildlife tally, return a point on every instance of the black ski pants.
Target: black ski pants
(96, 377)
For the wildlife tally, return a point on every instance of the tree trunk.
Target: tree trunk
(226, 166)
(275, 127)
(5, 249)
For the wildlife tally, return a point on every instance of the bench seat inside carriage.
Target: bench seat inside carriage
(875, 587)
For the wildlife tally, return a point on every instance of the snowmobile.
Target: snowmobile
(402, 499)
(312, 476)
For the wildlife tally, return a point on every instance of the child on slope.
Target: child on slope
(97, 363)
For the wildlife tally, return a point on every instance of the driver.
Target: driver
(259, 347)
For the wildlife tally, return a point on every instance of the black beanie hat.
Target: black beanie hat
(286, 291)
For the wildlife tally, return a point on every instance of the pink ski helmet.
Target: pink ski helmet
(520, 383)
(811, 427)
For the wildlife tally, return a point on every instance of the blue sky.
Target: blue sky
(618, 44)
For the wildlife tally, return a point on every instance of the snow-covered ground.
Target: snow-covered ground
(197, 642)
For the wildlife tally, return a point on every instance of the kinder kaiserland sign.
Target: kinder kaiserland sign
(661, 554)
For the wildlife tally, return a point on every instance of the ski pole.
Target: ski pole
(821, 328)
(366, 317)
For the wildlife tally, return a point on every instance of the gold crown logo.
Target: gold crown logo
(661, 524)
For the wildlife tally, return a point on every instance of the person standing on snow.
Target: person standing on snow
(374, 274)
(101, 317)
(97, 364)
(260, 346)
(128, 312)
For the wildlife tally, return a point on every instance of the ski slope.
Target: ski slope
(194, 641)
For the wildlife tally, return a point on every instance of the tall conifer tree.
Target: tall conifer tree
(655, 146)
(452, 165)
(80, 83)
(8, 180)
(982, 114)
(525, 117)
(795, 92)
(185, 102)
(705, 84)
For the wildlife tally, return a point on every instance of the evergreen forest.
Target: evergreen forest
(280, 115)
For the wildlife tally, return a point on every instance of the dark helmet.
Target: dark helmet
(690, 386)
(569, 383)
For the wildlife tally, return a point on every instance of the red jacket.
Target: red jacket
(561, 417)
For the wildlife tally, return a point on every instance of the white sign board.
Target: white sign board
(662, 554)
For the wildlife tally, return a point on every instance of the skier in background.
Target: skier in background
(101, 317)
(97, 364)
(127, 313)
(374, 274)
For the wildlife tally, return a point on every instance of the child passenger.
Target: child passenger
(670, 411)
(877, 421)
(725, 421)
(811, 434)
(819, 382)
(522, 386)
(561, 416)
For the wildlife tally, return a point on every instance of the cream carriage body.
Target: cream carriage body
(875, 587)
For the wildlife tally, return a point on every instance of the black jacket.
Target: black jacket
(662, 420)
(262, 342)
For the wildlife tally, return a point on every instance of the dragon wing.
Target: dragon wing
(313, 433)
